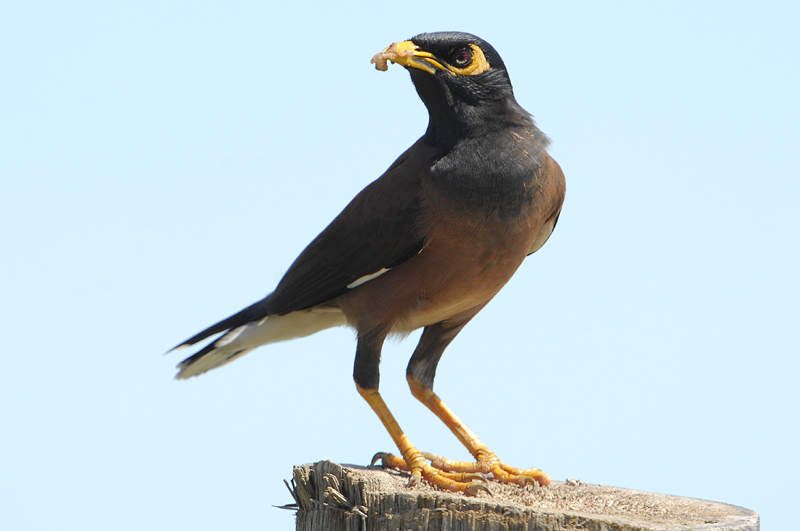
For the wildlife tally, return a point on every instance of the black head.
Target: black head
(469, 66)
(461, 79)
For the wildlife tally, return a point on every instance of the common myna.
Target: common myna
(426, 245)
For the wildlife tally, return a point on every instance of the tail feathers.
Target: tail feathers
(241, 338)
(210, 357)
(254, 312)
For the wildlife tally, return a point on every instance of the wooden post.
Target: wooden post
(330, 496)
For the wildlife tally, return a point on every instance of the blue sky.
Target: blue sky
(162, 163)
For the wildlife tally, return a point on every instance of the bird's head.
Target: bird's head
(461, 79)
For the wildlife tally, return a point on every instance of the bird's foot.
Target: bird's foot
(488, 463)
(466, 477)
(470, 483)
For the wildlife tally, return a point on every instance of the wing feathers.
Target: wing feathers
(370, 234)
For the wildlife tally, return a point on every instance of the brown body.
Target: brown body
(467, 258)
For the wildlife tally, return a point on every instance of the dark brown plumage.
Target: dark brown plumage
(428, 244)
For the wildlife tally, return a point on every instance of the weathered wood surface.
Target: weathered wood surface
(330, 496)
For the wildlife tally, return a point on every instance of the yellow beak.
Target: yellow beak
(407, 54)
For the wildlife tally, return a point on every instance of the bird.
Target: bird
(426, 245)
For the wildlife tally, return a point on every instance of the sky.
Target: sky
(163, 163)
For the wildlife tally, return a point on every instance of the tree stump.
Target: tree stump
(330, 496)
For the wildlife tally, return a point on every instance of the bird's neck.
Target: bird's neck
(456, 113)
(450, 125)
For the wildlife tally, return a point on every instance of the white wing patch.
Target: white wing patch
(366, 278)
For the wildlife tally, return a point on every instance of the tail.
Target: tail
(249, 329)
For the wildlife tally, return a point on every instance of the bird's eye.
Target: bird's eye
(462, 57)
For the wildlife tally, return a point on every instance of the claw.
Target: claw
(474, 488)
(383, 457)
(542, 478)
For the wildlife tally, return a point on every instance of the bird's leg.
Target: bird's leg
(420, 374)
(413, 457)
(485, 460)
(367, 377)
(413, 460)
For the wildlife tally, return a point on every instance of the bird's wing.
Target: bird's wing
(377, 231)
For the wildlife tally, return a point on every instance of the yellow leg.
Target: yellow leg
(485, 460)
(413, 460)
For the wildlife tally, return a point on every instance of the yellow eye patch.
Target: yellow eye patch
(479, 64)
